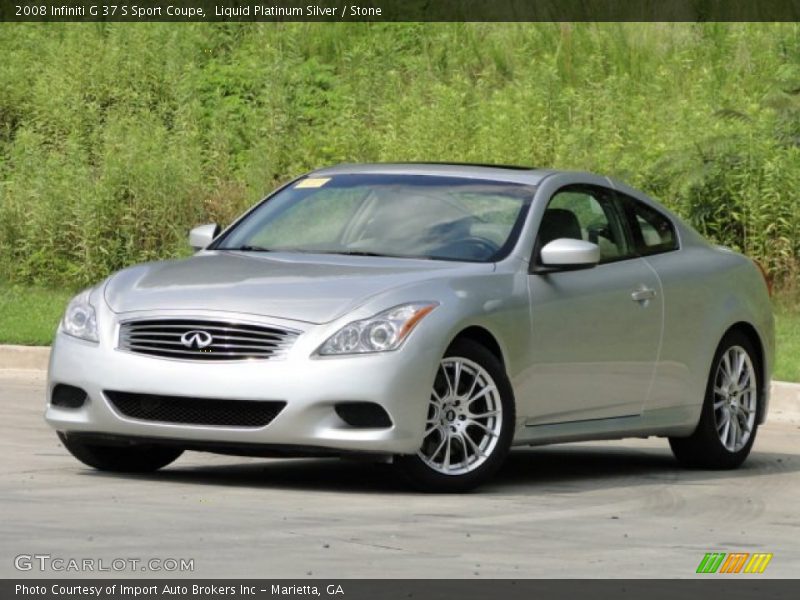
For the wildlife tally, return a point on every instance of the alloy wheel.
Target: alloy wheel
(735, 398)
(465, 417)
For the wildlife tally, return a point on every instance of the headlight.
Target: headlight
(380, 333)
(80, 320)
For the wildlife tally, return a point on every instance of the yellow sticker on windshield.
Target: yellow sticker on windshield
(313, 182)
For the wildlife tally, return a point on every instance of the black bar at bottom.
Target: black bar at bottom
(702, 586)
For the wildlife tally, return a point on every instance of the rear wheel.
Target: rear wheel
(140, 458)
(469, 424)
(729, 419)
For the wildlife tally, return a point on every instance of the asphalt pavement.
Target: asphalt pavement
(606, 509)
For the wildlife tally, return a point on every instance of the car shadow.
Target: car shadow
(573, 468)
(562, 469)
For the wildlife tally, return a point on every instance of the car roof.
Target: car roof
(510, 173)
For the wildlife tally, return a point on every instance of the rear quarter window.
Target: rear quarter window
(653, 232)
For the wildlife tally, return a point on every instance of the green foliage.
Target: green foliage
(115, 138)
(30, 315)
(787, 336)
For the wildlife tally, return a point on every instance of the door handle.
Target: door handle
(643, 294)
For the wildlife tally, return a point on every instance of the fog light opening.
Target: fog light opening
(363, 415)
(68, 396)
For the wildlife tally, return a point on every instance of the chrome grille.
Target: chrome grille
(198, 339)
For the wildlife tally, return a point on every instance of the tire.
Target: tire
(736, 402)
(121, 459)
(484, 425)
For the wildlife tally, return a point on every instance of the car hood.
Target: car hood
(314, 289)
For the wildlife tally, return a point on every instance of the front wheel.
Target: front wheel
(139, 458)
(729, 419)
(469, 424)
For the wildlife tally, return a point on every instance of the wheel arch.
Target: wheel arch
(484, 337)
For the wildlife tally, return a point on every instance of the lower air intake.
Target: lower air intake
(195, 411)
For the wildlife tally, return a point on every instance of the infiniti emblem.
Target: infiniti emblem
(196, 339)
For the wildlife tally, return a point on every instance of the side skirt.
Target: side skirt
(677, 421)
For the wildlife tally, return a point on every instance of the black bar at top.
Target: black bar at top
(398, 10)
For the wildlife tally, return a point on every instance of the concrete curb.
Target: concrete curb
(785, 396)
(24, 357)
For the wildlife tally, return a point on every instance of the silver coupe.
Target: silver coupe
(431, 315)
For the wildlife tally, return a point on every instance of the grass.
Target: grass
(29, 316)
(787, 330)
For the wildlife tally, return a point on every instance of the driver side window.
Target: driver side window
(585, 213)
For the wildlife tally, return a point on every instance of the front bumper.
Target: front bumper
(399, 381)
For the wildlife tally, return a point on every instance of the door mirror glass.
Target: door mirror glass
(202, 236)
(568, 253)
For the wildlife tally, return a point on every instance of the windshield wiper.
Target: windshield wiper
(247, 248)
(353, 252)
(250, 248)
(368, 253)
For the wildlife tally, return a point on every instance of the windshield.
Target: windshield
(409, 216)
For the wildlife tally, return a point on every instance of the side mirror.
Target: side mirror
(202, 236)
(566, 254)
